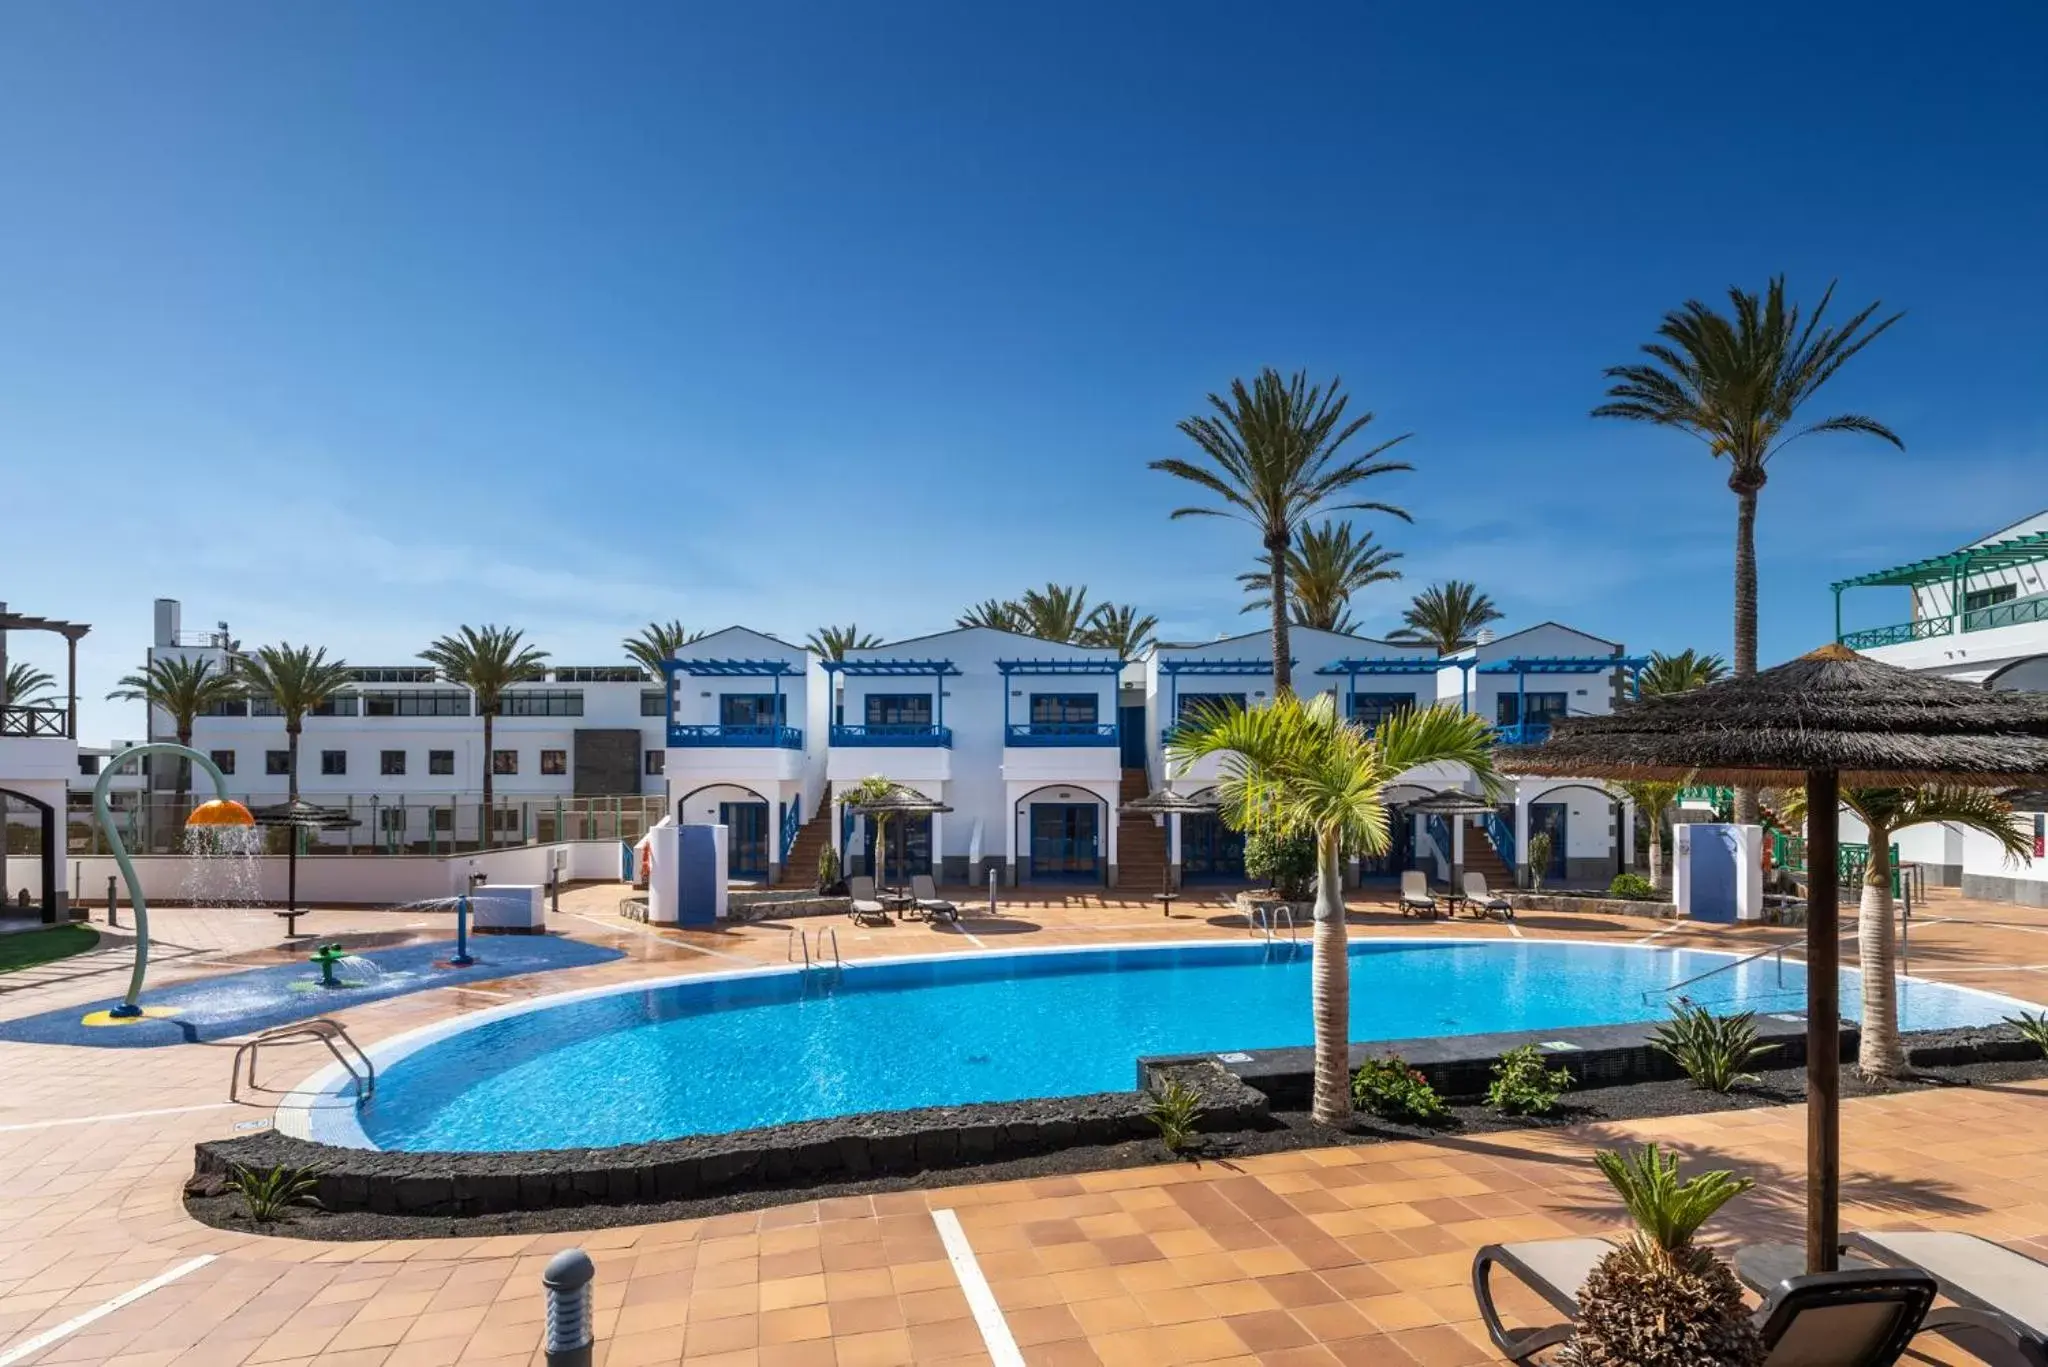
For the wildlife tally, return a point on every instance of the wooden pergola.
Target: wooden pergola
(71, 632)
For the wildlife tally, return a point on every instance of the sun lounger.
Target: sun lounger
(1995, 1289)
(1415, 896)
(1481, 901)
(865, 907)
(934, 907)
(1861, 1318)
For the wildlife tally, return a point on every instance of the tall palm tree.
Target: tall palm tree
(992, 612)
(296, 679)
(487, 662)
(1118, 628)
(1885, 812)
(184, 688)
(1737, 384)
(1447, 616)
(1680, 673)
(1326, 565)
(1273, 456)
(656, 642)
(832, 643)
(26, 683)
(1292, 766)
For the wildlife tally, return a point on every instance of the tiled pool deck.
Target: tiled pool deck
(1355, 1255)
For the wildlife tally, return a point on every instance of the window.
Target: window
(899, 709)
(1063, 708)
(277, 762)
(600, 674)
(444, 819)
(1196, 704)
(391, 763)
(223, 760)
(657, 761)
(653, 703)
(391, 820)
(419, 702)
(89, 765)
(508, 819)
(1544, 708)
(227, 707)
(393, 674)
(542, 702)
(340, 705)
(1974, 599)
(504, 761)
(440, 761)
(333, 763)
(1370, 709)
(264, 707)
(753, 709)
(554, 762)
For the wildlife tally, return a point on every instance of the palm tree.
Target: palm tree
(1120, 629)
(487, 662)
(297, 680)
(1292, 766)
(1325, 566)
(1653, 799)
(1737, 385)
(1680, 673)
(832, 643)
(993, 613)
(1057, 612)
(1447, 616)
(1273, 455)
(875, 788)
(25, 683)
(656, 642)
(1885, 812)
(185, 688)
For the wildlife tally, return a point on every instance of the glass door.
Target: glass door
(746, 838)
(1063, 840)
(1210, 850)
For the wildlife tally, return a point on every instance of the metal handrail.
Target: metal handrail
(321, 1029)
(1778, 950)
(799, 937)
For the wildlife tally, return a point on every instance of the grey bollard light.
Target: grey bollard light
(566, 1333)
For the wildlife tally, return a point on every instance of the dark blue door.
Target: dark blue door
(1210, 850)
(1063, 840)
(909, 852)
(1130, 723)
(1549, 817)
(746, 838)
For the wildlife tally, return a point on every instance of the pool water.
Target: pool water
(750, 1049)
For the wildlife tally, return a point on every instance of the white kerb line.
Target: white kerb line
(988, 1316)
(119, 1115)
(71, 1326)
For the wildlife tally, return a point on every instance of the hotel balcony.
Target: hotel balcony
(740, 754)
(749, 737)
(1522, 733)
(35, 721)
(892, 735)
(909, 752)
(1050, 733)
(1062, 752)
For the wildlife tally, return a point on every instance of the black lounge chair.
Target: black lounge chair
(929, 904)
(1996, 1290)
(864, 907)
(1860, 1318)
(1416, 898)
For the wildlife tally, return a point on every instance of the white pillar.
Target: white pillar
(1173, 839)
(1458, 845)
(1628, 835)
(1521, 836)
(1109, 837)
(1010, 821)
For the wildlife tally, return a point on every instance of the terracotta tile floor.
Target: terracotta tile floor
(1328, 1256)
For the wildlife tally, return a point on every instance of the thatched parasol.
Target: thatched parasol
(1450, 802)
(300, 815)
(1825, 719)
(1166, 802)
(901, 801)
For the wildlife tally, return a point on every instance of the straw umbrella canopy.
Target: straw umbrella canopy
(1825, 719)
(901, 801)
(300, 815)
(1166, 802)
(1450, 802)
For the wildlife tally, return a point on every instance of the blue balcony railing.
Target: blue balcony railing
(1502, 833)
(1522, 733)
(894, 733)
(737, 737)
(1062, 733)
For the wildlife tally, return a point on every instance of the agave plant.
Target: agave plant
(269, 1195)
(2033, 1027)
(1713, 1050)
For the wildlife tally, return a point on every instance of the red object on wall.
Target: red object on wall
(2040, 834)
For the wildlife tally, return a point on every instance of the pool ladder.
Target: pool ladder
(320, 1030)
(1268, 917)
(800, 940)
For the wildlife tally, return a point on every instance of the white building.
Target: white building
(38, 762)
(1977, 613)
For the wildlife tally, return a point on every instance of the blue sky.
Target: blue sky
(352, 323)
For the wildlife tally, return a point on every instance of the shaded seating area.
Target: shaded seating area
(1996, 1290)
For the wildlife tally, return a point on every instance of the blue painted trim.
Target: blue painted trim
(1050, 667)
(1563, 664)
(904, 733)
(1049, 733)
(1219, 667)
(1386, 664)
(877, 668)
(1522, 733)
(736, 737)
(734, 669)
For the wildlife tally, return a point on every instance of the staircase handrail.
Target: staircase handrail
(791, 821)
(1502, 835)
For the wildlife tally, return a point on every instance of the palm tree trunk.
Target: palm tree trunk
(1331, 988)
(184, 768)
(1746, 805)
(1283, 669)
(291, 760)
(490, 762)
(1880, 1054)
(1657, 851)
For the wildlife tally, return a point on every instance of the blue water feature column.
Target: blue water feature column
(700, 874)
(1717, 871)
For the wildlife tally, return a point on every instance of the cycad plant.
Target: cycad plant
(1447, 616)
(1660, 1300)
(1293, 766)
(1326, 566)
(296, 680)
(657, 641)
(184, 688)
(1272, 454)
(832, 643)
(487, 661)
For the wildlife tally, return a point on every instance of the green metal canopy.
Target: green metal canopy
(1944, 569)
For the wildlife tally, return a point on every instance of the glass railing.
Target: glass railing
(894, 733)
(1061, 733)
(738, 737)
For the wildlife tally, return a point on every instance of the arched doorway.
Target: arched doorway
(745, 815)
(1548, 814)
(1065, 828)
(16, 840)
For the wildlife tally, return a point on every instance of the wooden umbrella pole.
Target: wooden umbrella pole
(1823, 1024)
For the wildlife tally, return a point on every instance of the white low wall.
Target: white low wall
(345, 880)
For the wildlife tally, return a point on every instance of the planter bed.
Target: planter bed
(1589, 902)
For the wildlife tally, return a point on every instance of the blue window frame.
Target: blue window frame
(1192, 704)
(1544, 708)
(1370, 709)
(899, 709)
(1055, 708)
(752, 709)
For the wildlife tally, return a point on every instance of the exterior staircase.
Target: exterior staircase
(811, 837)
(1481, 857)
(1140, 844)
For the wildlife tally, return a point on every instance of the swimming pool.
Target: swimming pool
(760, 1047)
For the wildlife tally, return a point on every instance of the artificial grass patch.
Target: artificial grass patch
(27, 948)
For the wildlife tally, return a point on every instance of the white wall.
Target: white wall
(345, 881)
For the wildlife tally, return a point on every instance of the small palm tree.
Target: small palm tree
(1885, 812)
(1737, 384)
(656, 642)
(1121, 629)
(1292, 766)
(1447, 616)
(487, 662)
(184, 689)
(1680, 673)
(1273, 456)
(26, 683)
(296, 680)
(832, 643)
(1653, 799)
(994, 613)
(875, 788)
(1326, 565)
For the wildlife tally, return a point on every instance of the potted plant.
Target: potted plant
(1539, 858)
(829, 882)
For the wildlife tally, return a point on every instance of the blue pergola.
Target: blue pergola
(1522, 666)
(1350, 669)
(774, 670)
(1201, 668)
(939, 670)
(1059, 733)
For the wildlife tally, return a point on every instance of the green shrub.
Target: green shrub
(1540, 850)
(1286, 862)
(1713, 1050)
(828, 868)
(1632, 887)
(268, 1195)
(2033, 1025)
(1523, 1086)
(1175, 1109)
(1392, 1090)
